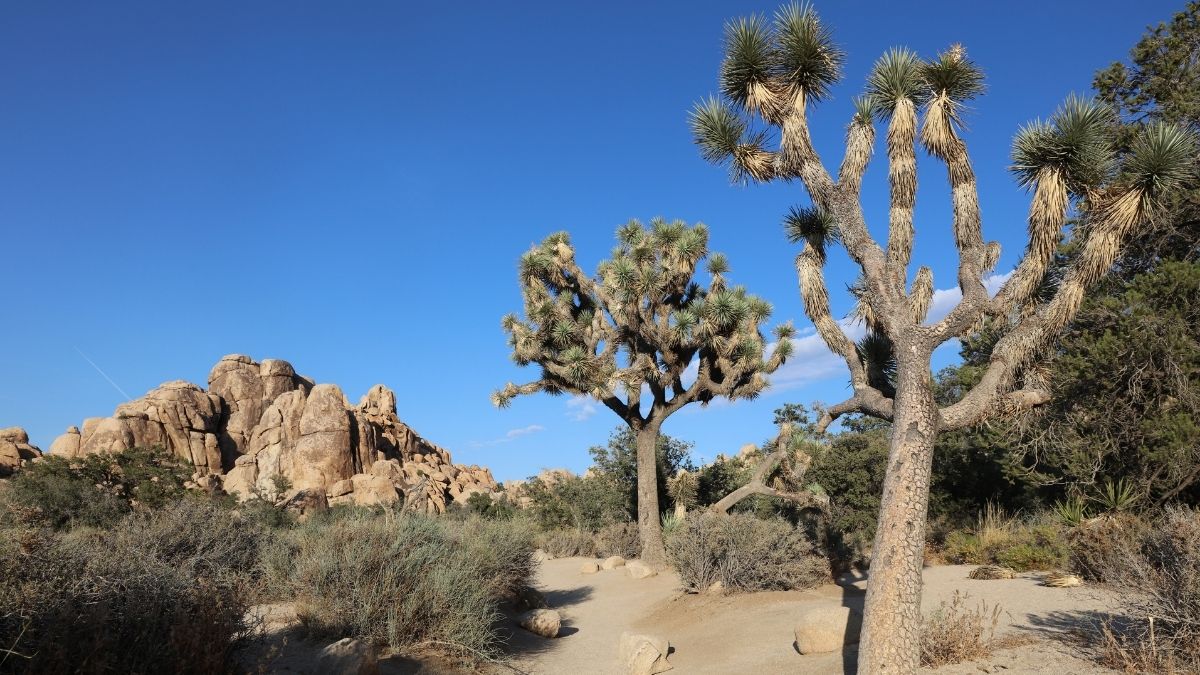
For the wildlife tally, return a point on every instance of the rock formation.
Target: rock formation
(260, 428)
(15, 450)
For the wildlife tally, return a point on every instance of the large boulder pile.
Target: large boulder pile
(15, 450)
(261, 428)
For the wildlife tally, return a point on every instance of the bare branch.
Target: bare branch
(757, 484)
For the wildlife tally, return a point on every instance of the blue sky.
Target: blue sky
(348, 186)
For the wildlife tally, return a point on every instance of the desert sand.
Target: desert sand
(753, 633)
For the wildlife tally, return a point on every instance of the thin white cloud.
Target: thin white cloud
(509, 436)
(812, 361)
(580, 407)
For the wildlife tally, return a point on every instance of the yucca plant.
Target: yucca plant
(1115, 496)
(628, 336)
(773, 74)
(1071, 511)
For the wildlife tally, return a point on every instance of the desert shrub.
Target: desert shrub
(483, 506)
(95, 490)
(161, 592)
(744, 553)
(503, 551)
(587, 503)
(1000, 539)
(1161, 578)
(1102, 546)
(953, 633)
(618, 539)
(404, 580)
(566, 542)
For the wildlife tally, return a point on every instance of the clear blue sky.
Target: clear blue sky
(348, 186)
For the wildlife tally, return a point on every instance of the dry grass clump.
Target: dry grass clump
(405, 581)
(954, 633)
(618, 539)
(1100, 546)
(744, 553)
(161, 592)
(1161, 578)
(566, 542)
(992, 572)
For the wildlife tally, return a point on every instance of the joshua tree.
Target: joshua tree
(773, 71)
(630, 337)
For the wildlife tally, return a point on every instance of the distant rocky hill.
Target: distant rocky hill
(15, 450)
(258, 421)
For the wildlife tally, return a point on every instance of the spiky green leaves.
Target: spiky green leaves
(749, 65)
(898, 74)
(1161, 160)
(878, 356)
(953, 75)
(810, 225)
(1076, 143)
(723, 136)
(864, 110)
(807, 58)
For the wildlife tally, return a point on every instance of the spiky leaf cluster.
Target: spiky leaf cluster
(642, 320)
(898, 74)
(770, 68)
(1076, 143)
(953, 75)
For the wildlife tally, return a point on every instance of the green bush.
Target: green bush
(161, 592)
(1021, 546)
(744, 553)
(586, 503)
(566, 543)
(620, 539)
(95, 490)
(404, 580)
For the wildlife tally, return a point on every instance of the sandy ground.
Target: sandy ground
(749, 633)
(753, 633)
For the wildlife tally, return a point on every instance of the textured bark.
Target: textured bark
(649, 519)
(892, 618)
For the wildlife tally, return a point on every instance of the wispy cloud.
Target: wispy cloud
(580, 407)
(509, 436)
(812, 361)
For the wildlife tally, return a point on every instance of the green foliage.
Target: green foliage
(850, 470)
(483, 506)
(587, 503)
(164, 591)
(1115, 496)
(617, 462)
(1018, 545)
(1071, 511)
(406, 580)
(95, 490)
(744, 553)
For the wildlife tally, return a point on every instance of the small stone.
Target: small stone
(613, 562)
(543, 622)
(639, 570)
(348, 657)
(644, 654)
(827, 629)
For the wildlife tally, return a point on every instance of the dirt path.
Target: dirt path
(753, 633)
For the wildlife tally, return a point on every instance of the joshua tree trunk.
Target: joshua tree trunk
(892, 621)
(649, 525)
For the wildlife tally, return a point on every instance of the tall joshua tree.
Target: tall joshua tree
(772, 73)
(628, 337)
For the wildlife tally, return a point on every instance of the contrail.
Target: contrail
(110, 380)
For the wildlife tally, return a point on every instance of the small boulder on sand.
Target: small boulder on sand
(827, 629)
(639, 570)
(544, 622)
(644, 654)
(589, 567)
(348, 657)
(613, 562)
